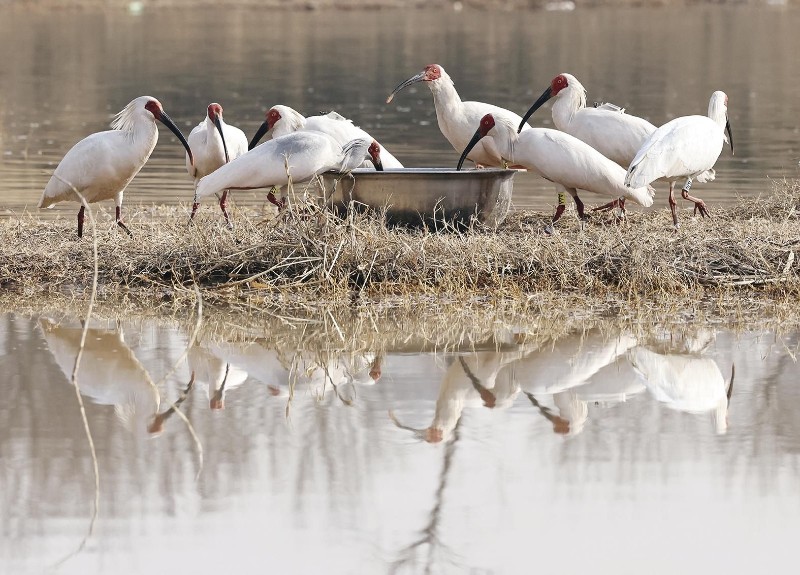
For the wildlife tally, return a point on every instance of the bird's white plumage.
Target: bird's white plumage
(206, 144)
(458, 119)
(686, 147)
(565, 160)
(616, 135)
(101, 165)
(335, 125)
(305, 153)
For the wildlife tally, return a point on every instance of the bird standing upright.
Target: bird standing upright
(215, 143)
(556, 156)
(457, 119)
(686, 147)
(101, 165)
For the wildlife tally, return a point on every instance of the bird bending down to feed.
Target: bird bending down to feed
(299, 156)
(457, 119)
(686, 147)
(101, 165)
(606, 128)
(281, 120)
(215, 143)
(556, 156)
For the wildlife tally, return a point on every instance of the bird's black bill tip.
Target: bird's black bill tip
(475, 139)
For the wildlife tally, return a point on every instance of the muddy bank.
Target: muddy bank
(742, 261)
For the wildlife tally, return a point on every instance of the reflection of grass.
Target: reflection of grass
(738, 259)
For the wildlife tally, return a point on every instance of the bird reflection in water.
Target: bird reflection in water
(571, 371)
(471, 381)
(684, 379)
(109, 372)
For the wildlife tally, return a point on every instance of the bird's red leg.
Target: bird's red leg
(195, 205)
(81, 213)
(580, 207)
(120, 223)
(271, 197)
(618, 203)
(698, 203)
(223, 204)
(673, 206)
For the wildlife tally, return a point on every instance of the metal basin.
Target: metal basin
(424, 196)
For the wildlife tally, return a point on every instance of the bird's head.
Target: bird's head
(557, 85)
(271, 118)
(431, 73)
(215, 115)
(485, 126)
(157, 111)
(374, 152)
(214, 112)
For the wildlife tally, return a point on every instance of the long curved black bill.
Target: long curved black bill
(167, 121)
(412, 80)
(218, 124)
(262, 129)
(730, 134)
(378, 164)
(546, 95)
(475, 139)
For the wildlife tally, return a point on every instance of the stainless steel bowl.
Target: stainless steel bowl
(424, 196)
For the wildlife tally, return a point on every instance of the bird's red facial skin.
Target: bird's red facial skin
(558, 84)
(272, 118)
(154, 108)
(432, 72)
(214, 110)
(375, 151)
(487, 123)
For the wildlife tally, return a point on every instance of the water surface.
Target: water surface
(605, 450)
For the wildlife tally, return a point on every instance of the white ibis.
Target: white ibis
(214, 143)
(457, 119)
(606, 128)
(281, 120)
(556, 156)
(101, 165)
(686, 147)
(299, 155)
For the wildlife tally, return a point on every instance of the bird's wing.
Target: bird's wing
(682, 147)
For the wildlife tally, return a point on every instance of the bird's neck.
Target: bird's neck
(144, 136)
(446, 100)
(566, 104)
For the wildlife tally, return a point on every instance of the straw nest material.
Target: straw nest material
(307, 256)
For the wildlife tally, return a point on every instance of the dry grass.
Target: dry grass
(741, 261)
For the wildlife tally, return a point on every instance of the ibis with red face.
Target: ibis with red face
(457, 119)
(215, 143)
(101, 166)
(563, 159)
